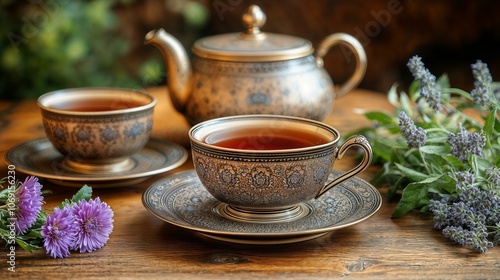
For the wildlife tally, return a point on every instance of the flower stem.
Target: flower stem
(424, 162)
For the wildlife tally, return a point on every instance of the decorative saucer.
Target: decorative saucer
(181, 200)
(39, 158)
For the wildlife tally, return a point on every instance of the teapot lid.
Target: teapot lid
(252, 45)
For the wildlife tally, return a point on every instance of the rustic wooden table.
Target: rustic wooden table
(142, 246)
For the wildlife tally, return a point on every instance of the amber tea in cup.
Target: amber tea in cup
(261, 139)
(99, 104)
(264, 167)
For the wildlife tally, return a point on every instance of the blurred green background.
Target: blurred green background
(52, 44)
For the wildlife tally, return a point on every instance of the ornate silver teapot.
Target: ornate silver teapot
(253, 73)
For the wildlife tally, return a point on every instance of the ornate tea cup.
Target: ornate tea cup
(97, 129)
(264, 167)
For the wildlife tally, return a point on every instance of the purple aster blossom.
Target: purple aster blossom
(59, 232)
(29, 203)
(94, 221)
(428, 86)
(415, 137)
(462, 142)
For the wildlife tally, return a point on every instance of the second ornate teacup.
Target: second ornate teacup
(264, 167)
(97, 129)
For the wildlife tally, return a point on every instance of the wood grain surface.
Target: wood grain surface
(142, 247)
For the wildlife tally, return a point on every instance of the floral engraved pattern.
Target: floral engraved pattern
(109, 134)
(295, 176)
(82, 134)
(227, 175)
(279, 170)
(202, 168)
(272, 181)
(136, 130)
(320, 174)
(259, 98)
(261, 178)
(60, 134)
(149, 125)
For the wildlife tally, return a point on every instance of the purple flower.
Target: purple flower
(476, 143)
(481, 95)
(29, 204)
(465, 180)
(428, 86)
(493, 175)
(415, 137)
(94, 222)
(59, 232)
(476, 239)
(462, 142)
(482, 83)
(481, 74)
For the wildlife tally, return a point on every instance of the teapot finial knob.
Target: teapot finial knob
(254, 19)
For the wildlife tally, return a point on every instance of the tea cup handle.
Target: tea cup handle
(355, 47)
(353, 141)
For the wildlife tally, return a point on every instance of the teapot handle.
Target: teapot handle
(355, 47)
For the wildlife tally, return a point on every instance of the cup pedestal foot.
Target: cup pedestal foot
(263, 216)
(98, 167)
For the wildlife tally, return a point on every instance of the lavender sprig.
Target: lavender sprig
(482, 84)
(415, 136)
(463, 143)
(449, 165)
(428, 85)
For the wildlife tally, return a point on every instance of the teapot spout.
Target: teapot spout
(178, 66)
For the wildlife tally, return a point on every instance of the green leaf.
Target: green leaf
(392, 96)
(435, 150)
(381, 117)
(497, 126)
(412, 174)
(33, 234)
(4, 194)
(489, 125)
(480, 164)
(443, 81)
(413, 90)
(405, 104)
(457, 91)
(443, 183)
(27, 246)
(84, 193)
(381, 150)
(413, 194)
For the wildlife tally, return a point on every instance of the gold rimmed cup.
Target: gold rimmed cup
(97, 129)
(263, 168)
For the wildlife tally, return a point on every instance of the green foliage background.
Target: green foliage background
(47, 45)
